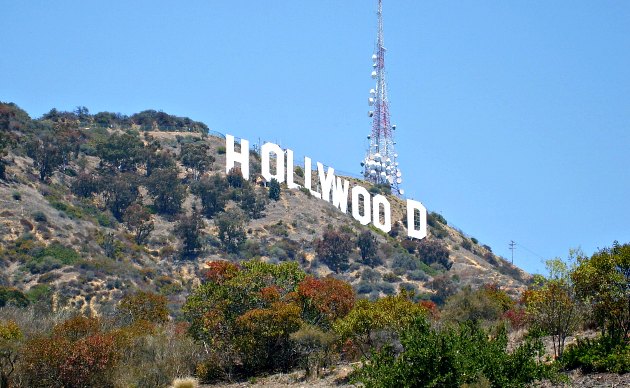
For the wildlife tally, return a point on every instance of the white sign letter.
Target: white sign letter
(340, 195)
(308, 170)
(232, 156)
(290, 182)
(385, 226)
(327, 181)
(366, 217)
(266, 151)
(421, 231)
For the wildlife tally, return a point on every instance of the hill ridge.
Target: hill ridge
(68, 231)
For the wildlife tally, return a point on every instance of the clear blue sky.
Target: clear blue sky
(513, 116)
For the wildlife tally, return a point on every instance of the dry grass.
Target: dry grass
(185, 382)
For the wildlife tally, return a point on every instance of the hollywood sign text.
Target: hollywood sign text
(376, 209)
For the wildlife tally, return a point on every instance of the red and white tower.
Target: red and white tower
(380, 165)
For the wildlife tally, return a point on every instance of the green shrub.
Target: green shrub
(65, 255)
(278, 253)
(390, 277)
(12, 296)
(597, 355)
(417, 274)
(39, 293)
(39, 216)
(466, 244)
(17, 196)
(221, 150)
(451, 357)
(42, 264)
(279, 229)
(387, 288)
(364, 287)
(370, 275)
(410, 288)
(433, 218)
(274, 190)
(405, 261)
(433, 251)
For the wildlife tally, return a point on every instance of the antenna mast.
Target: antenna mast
(380, 165)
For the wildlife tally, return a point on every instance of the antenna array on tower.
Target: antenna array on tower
(380, 165)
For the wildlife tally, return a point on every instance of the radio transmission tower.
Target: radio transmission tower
(380, 165)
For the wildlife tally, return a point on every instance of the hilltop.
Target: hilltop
(94, 206)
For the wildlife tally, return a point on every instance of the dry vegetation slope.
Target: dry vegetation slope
(99, 260)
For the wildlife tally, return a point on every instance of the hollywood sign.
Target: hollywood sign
(376, 209)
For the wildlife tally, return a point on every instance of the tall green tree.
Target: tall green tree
(231, 229)
(212, 191)
(190, 229)
(122, 152)
(245, 314)
(603, 280)
(334, 248)
(119, 192)
(167, 191)
(196, 157)
(46, 155)
(554, 307)
(138, 220)
(368, 246)
(252, 203)
(274, 190)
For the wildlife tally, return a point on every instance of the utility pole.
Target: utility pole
(512, 247)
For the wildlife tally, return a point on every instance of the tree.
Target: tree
(82, 113)
(274, 190)
(12, 297)
(138, 220)
(368, 246)
(231, 227)
(472, 305)
(235, 177)
(264, 335)
(189, 229)
(213, 194)
(77, 354)
(119, 192)
(444, 287)
(144, 306)
(325, 300)
(554, 308)
(86, 184)
(334, 248)
(433, 251)
(6, 140)
(158, 158)
(245, 314)
(372, 324)
(10, 338)
(13, 118)
(251, 202)
(196, 157)
(313, 347)
(465, 355)
(122, 152)
(603, 281)
(46, 155)
(167, 191)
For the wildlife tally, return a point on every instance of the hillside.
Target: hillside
(80, 192)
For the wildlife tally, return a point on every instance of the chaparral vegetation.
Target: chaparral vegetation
(129, 258)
